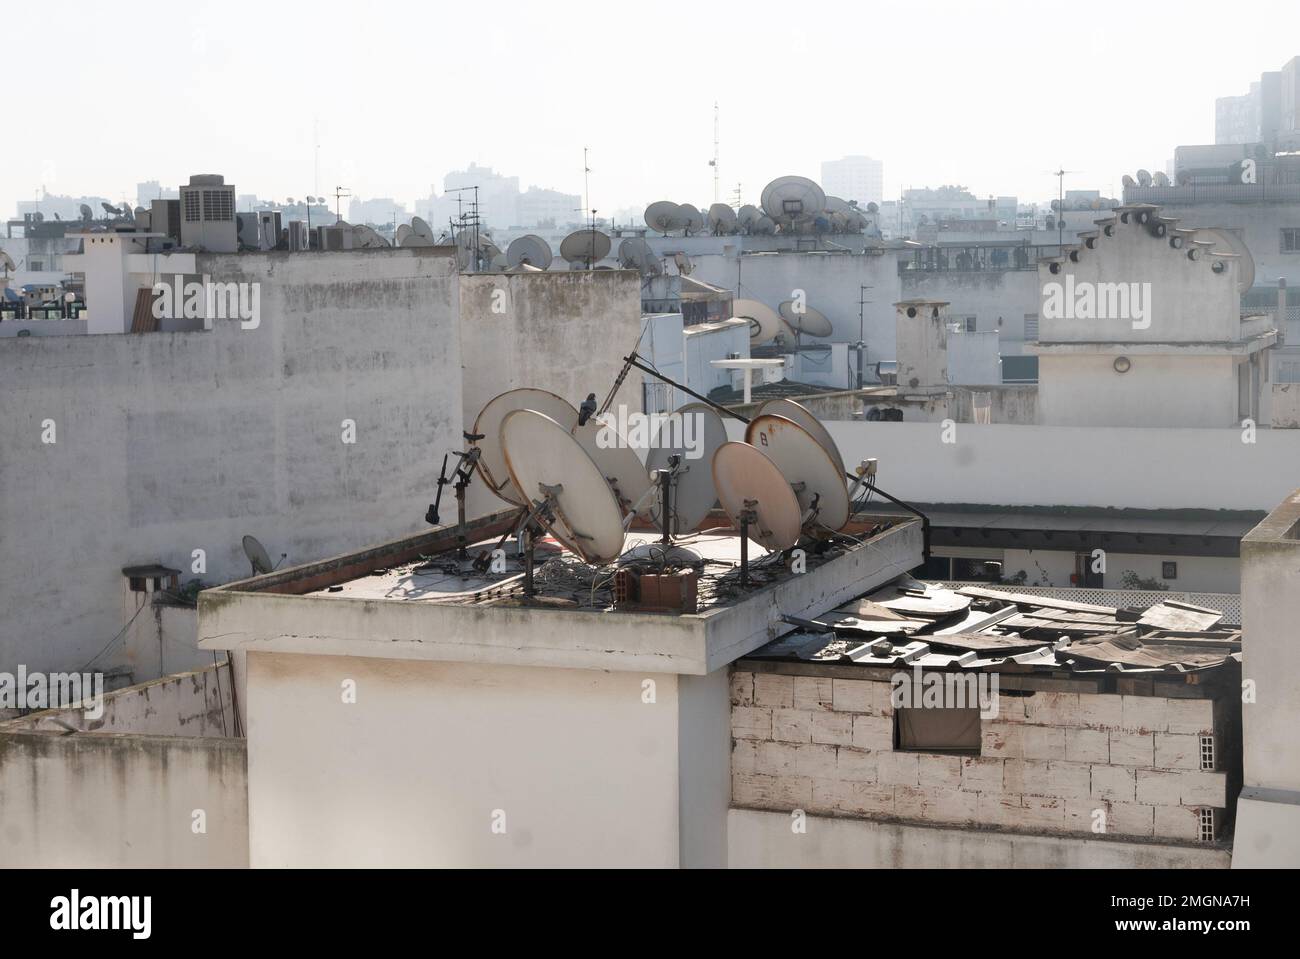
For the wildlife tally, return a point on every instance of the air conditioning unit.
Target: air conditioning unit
(299, 238)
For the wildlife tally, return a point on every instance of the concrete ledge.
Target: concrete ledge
(758, 839)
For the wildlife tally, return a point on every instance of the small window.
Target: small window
(1031, 326)
(138, 584)
(937, 730)
(1168, 570)
(970, 324)
(1291, 239)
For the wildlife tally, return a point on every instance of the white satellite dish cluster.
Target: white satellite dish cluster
(789, 204)
(790, 320)
(786, 480)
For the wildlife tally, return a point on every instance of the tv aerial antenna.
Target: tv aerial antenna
(339, 193)
(461, 477)
(1060, 175)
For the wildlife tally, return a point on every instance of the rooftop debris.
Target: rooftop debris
(911, 623)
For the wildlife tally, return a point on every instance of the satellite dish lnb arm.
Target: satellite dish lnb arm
(634, 360)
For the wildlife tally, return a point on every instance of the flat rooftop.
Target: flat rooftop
(415, 598)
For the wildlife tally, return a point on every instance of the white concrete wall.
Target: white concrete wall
(1159, 390)
(973, 359)
(706, 345)
(566, 332)
(586, 772)
(98, 800)
(171, 442)
(1076, 466)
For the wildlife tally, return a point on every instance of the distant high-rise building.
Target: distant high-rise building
(1266, 114)
(854, 178)
(150, 190)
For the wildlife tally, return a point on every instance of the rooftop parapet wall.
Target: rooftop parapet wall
(164, 443)
(1177, 290)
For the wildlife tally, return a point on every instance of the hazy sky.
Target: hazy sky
(991, 95)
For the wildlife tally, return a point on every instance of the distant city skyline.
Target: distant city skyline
(905, 91)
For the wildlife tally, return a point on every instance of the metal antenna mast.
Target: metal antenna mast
(717, 197)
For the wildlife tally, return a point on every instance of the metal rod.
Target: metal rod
(632, 361)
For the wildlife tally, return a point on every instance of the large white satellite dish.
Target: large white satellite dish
(664, 216)
(547, 463)
(722, 218)
(764, 323)
(492, 461)
(809, 322)
(805, 418)
(529, 250)
(585, 247)
(421, 229)
(791, 200)
(816, 479)
(617, 461)
(693, 494)
(694, 219)
(749, 482)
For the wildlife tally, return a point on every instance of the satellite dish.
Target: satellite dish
(1128, 181)
(1227, 242)
(722, 219)
(1143, 178)
(810, 321)
(403, 231)
(529, 250)
(492, 461)
(1160, 179)
(764, 226)
(363, 237)
(635, 253)
(816, 479)
(747, 216)
(811, 424)
(422, 229)
(664, 216)
(694, 219)
(544, 460)
(684, 265)
(111, 210)
(747, 481)
(793, 200)
(693, 494)
(585, 247)
(86, 213)
(617, 461)
(764, 323)
(258, 557)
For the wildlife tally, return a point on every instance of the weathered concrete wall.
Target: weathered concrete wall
(171, 442)
(758, 839)
(1285, 410)
(1053, 762)
(1171, 391)
(566, 332)
(194, 704)
(575, 766)
(999, 300)
(98, 800)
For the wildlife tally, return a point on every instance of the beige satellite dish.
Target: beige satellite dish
(810, 322)
(1226, 241)
(817, 481)
(492, 460)
(764, 323)
(747, 481)
(693, 494)
(618, 462)
(547, 463)
(805, 418)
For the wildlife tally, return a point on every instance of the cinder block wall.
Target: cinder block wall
(1049, 761)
